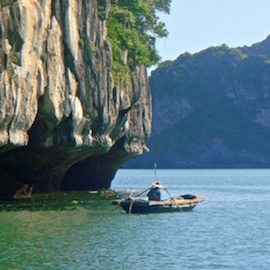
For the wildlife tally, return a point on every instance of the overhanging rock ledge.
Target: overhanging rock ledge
(64, 123)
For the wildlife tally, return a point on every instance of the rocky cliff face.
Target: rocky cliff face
(64, 123)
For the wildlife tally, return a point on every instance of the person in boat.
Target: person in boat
(154, 193)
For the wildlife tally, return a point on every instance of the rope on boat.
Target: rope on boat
(172, 198)
(131, 206)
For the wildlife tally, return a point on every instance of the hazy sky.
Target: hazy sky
(195, 25)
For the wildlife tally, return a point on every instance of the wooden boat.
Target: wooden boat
(181, 203)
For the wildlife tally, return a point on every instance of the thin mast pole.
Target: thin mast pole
(155, 166)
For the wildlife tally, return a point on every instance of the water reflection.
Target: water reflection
(60, 201)
(80, 230)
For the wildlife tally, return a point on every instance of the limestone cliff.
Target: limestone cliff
(64, 123)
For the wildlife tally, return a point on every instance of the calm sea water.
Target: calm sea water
(230, 230)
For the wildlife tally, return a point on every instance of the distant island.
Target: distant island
(211, 110)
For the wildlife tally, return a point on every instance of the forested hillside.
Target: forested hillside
(211, 110)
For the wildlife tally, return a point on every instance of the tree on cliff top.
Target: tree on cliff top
(6, 2)
(133, 27)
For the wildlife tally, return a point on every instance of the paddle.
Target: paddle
(115, 208)
(142, 192)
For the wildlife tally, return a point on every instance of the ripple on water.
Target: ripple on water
(227, 231)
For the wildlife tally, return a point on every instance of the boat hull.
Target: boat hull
(177, 204)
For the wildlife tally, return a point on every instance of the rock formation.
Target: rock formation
(64, 122)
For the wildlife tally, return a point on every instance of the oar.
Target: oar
(116, 208)
(142, 192)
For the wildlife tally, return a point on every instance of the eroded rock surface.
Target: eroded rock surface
(64, 122)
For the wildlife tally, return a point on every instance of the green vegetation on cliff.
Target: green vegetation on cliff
(133, 27)
(6, 2)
